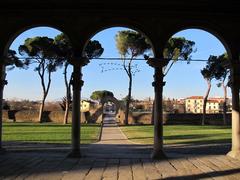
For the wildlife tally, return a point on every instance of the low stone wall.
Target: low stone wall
(134, 118)
(95, 116)
(32, 116)
(211, 119)
(194, 119)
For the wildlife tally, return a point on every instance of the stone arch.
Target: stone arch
(19, 30)
(131, 25)
(111, 99)
(204, 27)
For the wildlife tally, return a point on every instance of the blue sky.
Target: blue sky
(183, 79)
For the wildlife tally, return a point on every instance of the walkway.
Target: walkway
(114, 157)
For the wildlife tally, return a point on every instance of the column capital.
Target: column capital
(157, 62)
(79, 61)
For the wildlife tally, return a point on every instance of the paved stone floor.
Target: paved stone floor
(115, 157)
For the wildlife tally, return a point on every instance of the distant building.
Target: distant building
(143, 105)
(194, 104)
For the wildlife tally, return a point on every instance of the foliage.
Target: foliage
(99, 95)
(65, 51)
(131, 43)
(178, 48)
(221, 73)
(12, 61)
(42, 51)
(93, 49)
(209, 71)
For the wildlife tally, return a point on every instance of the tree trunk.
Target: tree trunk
(128, 99)
(68, 95)
(45, 92)
(40, 117)
(225, 105)
(66, 113)
(205, 102)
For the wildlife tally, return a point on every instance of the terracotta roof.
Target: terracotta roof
(195, 97)
(215, 100)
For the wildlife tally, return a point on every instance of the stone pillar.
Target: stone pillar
(77, 84)
(235, 85)
(2, 84)
(158, 85)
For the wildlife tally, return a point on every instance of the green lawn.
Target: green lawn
(180, 134)
(48, 132)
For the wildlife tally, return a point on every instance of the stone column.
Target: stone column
(235, 85)
(158, 85)
(2, 84)
(77, 84)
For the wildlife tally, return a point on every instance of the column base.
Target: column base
(158, 155)
(74, 154)
(234, 154)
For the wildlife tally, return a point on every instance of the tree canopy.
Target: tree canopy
(131, 43)
(99, 95)
(209, 71)
(178, 48)
(43, 51)
(92, 50)
(12, 61)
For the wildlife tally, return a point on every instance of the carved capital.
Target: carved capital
(79, 61)
(157, 63)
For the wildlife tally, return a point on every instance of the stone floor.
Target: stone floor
(115, 157)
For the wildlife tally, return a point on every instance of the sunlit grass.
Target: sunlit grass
(48, 132)
(180, 134)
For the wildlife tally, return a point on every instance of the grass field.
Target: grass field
(180, 134)
(48, 133)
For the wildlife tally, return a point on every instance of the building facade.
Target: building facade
(194, 104)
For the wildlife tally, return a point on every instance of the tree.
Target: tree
(208, 73)
(93, 50)
(130, 44)
(99, 95)
(176, 48)
(222, 74)
(43, 52)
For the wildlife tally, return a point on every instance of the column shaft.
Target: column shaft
(235, 151)
(158, 115)
(2, 79)
(76, 116)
